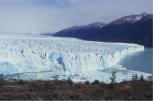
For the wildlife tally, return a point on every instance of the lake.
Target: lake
(140, 61)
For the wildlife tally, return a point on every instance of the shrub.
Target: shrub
(96, 82)
(102, 84)
(87, 83)
(48, 85)
(1, 79)
(142, 78)
(124, 81)
(1, 82)
(35, 86)
(79, 86)
(14, 80)
(69, 81)
(1, 76)
(21, 82)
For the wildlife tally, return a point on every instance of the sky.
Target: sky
(49, 16)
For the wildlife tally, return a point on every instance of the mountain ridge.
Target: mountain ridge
(129, 29)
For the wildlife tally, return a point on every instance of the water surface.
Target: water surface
(140, 61)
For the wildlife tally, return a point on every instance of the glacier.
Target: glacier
(39, 57)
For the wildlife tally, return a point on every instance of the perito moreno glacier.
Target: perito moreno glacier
(47, 58)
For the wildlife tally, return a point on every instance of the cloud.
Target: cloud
(43, 16)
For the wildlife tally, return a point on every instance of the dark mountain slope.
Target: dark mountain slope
(130, 29)
(80, 31)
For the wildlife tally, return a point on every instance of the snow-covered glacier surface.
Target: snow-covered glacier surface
(46, 58)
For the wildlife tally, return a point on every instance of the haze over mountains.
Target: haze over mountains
(129, 29)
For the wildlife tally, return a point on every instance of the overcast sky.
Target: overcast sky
(43, 16)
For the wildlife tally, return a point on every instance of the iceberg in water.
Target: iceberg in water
(44, 58)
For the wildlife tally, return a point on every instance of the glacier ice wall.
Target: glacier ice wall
(35, 54)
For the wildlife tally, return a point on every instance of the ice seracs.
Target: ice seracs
(59, 56)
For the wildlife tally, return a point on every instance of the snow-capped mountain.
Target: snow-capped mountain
(47, 58)
(129, 19)
(129, 29)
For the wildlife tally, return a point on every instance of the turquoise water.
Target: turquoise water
(140, 61)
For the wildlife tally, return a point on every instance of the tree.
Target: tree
(113, 77)
(134, 77)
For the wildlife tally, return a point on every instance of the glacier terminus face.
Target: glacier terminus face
(45, 58)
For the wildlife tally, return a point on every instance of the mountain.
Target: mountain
(80, 31)
(129, 29)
